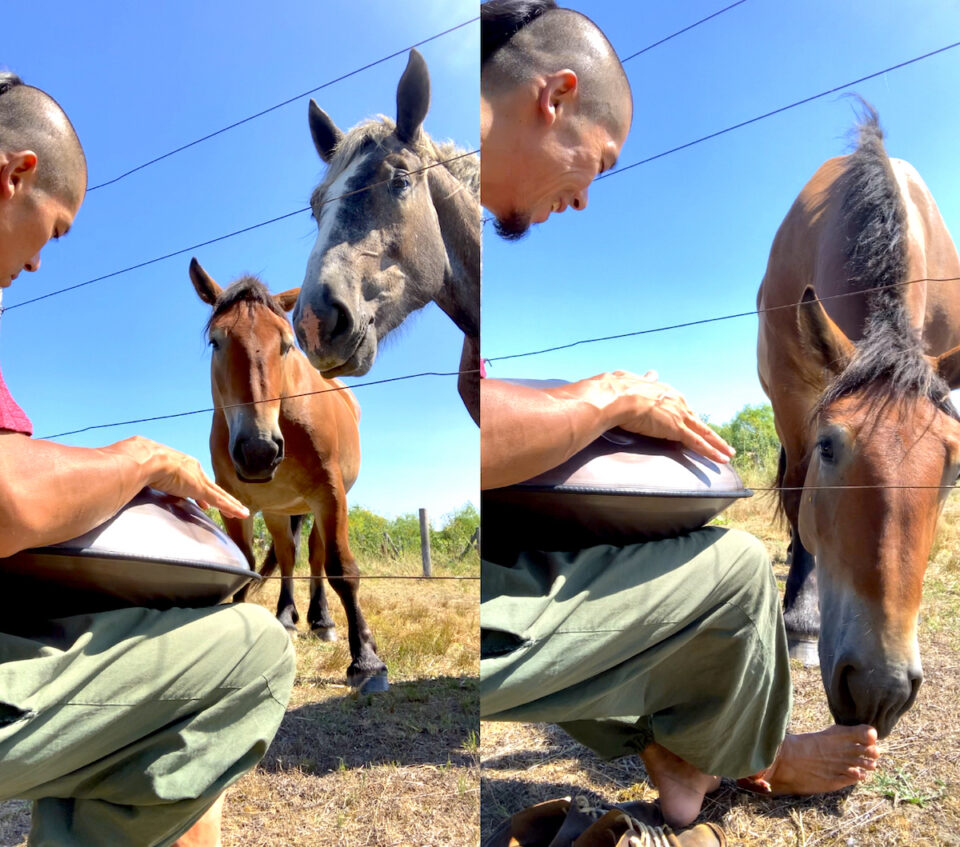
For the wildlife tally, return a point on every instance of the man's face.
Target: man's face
(28, 220)
(552, 173)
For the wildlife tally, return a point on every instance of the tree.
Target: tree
(753, 435)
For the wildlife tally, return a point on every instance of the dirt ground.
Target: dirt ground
(914, 797)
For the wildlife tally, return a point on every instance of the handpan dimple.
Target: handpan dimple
(620, 489)
(158, 551)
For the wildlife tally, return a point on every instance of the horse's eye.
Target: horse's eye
(400, 181)
(214, 344)
(825, 446)
(285, 346)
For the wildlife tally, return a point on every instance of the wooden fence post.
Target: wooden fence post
(425, 542)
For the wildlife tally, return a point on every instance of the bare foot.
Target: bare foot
(818, 762)
(682, 787)
(206, 831)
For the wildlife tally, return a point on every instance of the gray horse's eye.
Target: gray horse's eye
(400, 181)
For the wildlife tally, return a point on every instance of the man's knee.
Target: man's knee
(260, 644)
(749, 572)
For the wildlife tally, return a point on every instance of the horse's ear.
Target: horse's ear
(947, 365)
(286, 300)
(326, 135)
(413, 98)
(207, 289)
(820, 335)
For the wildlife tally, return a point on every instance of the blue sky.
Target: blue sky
(682, 238)
(687, 236)
(140, 79)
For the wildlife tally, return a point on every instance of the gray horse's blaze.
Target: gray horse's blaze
(379, 252)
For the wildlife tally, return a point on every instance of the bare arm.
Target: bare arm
(525, 431)
(50, 492)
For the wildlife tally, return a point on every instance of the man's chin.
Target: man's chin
(513, 226)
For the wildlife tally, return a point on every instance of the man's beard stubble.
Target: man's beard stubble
(513, 226)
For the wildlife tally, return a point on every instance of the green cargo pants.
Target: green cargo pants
(124, 727)
(679, 641)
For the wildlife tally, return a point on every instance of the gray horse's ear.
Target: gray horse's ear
(413, 98)
(286, 300)
(207, 290)
(326, 135)
(947, 366)
(832, 350)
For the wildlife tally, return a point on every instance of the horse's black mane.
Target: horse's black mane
(889, 364)
(247, 289)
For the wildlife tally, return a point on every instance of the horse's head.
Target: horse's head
(251, 337)
(379, 253)
(886, 428)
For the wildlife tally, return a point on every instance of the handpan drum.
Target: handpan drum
(620, 489)
(158, 551)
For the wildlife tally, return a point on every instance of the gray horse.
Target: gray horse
(398, 225)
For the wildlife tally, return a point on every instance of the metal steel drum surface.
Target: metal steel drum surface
(158, 551)
(620, 489)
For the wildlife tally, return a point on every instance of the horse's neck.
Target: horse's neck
(458, 211)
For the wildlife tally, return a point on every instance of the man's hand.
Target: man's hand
(656, 409)
(525, 431)
(176, 473)
(52, 492)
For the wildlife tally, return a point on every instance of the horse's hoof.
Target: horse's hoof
(291, 631)
(324, 633)
(805, 650)
(375, 684)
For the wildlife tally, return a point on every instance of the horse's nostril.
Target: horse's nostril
(343, 324)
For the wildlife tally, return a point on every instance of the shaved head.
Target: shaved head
(521, 39)
(30, 119)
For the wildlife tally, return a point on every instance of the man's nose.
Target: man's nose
(33, 263)
(580, 200)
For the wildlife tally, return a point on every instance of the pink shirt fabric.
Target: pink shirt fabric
(12, 417)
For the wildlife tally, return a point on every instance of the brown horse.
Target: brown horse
(407, 232)
(286, 457)
(859, 375)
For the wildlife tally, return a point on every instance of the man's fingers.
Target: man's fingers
(227, 504)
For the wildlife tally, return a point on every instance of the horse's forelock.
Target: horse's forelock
(247, 289)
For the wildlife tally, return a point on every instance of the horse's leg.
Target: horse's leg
(801, 604)
(318, 615)
(366, 672)
(280, 528)
(240, 531)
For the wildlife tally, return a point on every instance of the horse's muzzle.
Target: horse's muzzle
(257, 459)
(860, 693)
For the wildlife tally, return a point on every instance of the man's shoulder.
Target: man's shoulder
(12, 417)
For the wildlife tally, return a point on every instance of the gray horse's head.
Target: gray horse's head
(379, 253)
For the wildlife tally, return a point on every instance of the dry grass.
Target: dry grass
(914, 798)
(399, 768)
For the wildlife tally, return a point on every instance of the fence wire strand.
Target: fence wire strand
(283, 103)
(208, 242)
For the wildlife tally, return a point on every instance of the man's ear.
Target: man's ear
(16, 170)
(559, 92)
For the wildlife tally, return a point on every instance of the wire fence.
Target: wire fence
(568, 345)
